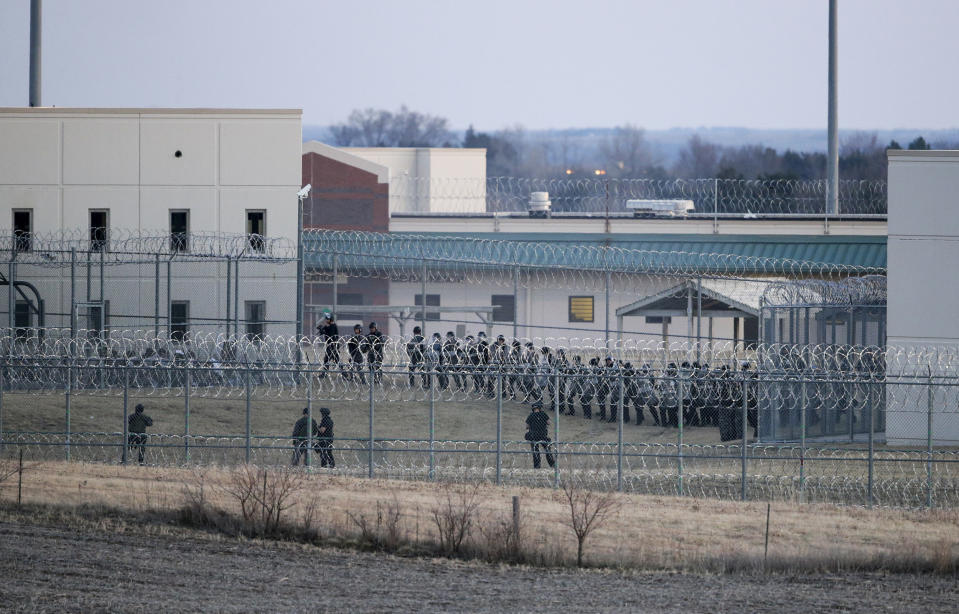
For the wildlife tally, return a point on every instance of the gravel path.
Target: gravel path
(52, 569)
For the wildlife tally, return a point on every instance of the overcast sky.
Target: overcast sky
(496, 63)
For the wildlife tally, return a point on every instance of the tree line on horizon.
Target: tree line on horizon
(624, 153)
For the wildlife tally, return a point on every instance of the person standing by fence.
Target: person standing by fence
(374, 352)
(330, 333)
(301, 436)
(537, 434)
(137, 426)
(354, 345)
(324, 443)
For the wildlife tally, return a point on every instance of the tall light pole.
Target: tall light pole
(36, 10)
(832, 156)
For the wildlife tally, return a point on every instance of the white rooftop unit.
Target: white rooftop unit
(661, 208)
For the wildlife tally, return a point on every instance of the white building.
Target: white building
(156, 171)
(429, 179)
(923, 296)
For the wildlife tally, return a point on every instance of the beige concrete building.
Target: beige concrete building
(923, 249)
(155, 171)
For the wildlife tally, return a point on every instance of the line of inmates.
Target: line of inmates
(552, 380)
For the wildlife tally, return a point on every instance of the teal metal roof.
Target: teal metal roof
(863, 251)
(742, 254)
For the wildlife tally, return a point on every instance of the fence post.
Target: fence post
(73, 291)
(745, 434)
(619, 432)
(929, 400)
(679, 444)
(187, 391)
(309, 424)
(68, 405)
(2, 372)
(249, 430)
(369, 469)
(432, 427)
(126, 415)
(802, 441)
(872, 413)
(499, 427)
(555, 430)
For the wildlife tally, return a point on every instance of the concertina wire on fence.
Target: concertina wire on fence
(414, 257)
(609, 195)
(465, 367)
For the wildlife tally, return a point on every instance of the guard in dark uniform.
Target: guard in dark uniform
(324, 441)
(415, 351)
(354, 346)
(330, 333)
(301, 436)
(137, 426)
(537, 434)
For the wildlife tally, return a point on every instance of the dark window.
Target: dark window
(659, 320)
(99, 225)
(93, 319)
(256, 228)
(432, 300)
(179, 319)
(22, 318)
(179, 231)
(580, 309)
(504, 307)
(348, 299)
(23, 229)
(255, 319)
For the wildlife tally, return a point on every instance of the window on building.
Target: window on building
(256, 228)
(580, 309)
(179, 320)
(179, 230)
(348, 298)
(432, 300)
(22, 318)
(504, 307)
(255, 319)
(23, 229)
(94, 325)
(99, 227)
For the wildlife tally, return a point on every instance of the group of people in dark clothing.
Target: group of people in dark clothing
(306, 429)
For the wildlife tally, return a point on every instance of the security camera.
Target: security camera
(305, 191)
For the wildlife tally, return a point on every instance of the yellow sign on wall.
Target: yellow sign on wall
(580, 309)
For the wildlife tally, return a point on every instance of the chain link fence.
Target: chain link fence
(840, 424)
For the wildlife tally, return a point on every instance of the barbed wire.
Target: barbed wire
(851, 291)
(408, 257)
(833, 475)
(125, 246)
(410, 194)
(464, 369)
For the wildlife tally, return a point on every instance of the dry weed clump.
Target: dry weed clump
(380, 530)
(454, 515)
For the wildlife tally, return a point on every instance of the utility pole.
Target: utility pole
(36, 13)
(832, 156)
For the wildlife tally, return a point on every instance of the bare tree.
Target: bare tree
(626, 153)
(454, 514)
(382, 128)
(699, 159)
(263, 495)
(587, 510)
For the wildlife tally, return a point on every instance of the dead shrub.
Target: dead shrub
(454, 514)
(588, 510)
(263, 495)
(382, 529)
(500, 540)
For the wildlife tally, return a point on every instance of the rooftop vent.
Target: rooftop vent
(539, 204)
(661, 208)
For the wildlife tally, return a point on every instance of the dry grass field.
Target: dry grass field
(645, 532)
